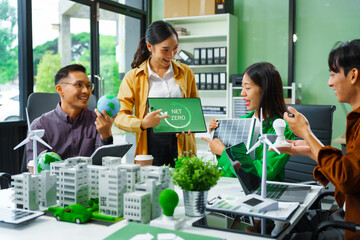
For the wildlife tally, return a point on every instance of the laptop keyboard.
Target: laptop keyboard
(273, 191)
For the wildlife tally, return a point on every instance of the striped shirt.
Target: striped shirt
(67, 138)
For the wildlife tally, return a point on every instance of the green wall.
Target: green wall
(263, 36)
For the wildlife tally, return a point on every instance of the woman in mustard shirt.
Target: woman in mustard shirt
(261, 88)
(155, 74)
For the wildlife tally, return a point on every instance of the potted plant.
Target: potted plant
(195, 176)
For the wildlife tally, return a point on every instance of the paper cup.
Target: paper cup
(144, 160)
(30, 166)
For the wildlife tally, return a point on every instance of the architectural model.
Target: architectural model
(75, 181)
(112, 186)
(137, 206)
(26, 187)
(47, 190)
(154, 188)
(132, 175)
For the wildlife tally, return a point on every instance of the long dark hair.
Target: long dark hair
(156, 33)
(345, 55)
(266, 76)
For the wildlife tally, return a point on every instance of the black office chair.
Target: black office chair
(39, 103)
(320, 117)
(334, 224)
(5, 180)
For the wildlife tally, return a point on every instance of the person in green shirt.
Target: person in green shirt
(261, 88)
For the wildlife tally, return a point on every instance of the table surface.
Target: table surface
(47, 227)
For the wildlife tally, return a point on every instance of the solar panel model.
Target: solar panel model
(234, 131)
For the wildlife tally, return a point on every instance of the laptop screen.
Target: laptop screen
(243, 167)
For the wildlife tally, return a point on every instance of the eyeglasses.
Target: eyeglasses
(81, 85)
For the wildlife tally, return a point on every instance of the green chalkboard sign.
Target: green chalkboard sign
(185, 114)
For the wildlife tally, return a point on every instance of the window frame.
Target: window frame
(25, 54)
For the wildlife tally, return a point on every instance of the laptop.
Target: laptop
(243, 167)
(112, 150)
(17, 216)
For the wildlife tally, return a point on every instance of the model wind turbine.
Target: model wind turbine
(34, 135)
(263, 203)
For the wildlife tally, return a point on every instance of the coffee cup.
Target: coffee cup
(144, 160)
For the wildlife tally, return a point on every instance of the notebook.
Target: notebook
(244, 169)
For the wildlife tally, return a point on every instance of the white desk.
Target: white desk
(48, 228)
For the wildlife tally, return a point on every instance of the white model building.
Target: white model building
(154, 188)
(137, 206)
(111, 161)
(112, 186)
(47, 189)
(93, 180)
(80, 159)
(160, 174)
(72, 185)
(26, 188)
(132, 175)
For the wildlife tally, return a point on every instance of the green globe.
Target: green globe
(44, 160)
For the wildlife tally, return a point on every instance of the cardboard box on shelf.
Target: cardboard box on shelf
(176, 8)
(183, 8)
(201, 7)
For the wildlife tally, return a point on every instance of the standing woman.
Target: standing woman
(261, 88)
(155, 74)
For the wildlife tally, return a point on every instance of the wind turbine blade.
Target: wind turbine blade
(42, 142)
(27, 119)
(271, 145)
(257, 144)
(25, 141)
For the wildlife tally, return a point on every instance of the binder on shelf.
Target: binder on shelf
(203, 56)
(197, 80)
(202, 81)
(216, 55)
(209, 81)
(216, 82)
(210, 56)
(186, 57)
(223, 55)
(222, 80)
(196, 56)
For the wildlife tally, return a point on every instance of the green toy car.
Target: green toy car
(73, 213)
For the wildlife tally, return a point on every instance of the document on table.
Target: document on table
(230, 204)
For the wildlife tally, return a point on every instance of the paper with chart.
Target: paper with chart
(231, 204)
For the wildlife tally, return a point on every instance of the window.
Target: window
(9, 74)
(61, 36)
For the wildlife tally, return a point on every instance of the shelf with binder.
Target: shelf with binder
(215, 37)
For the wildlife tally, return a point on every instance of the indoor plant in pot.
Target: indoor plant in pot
(195, 177)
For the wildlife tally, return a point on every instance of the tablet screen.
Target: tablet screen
(185, 114)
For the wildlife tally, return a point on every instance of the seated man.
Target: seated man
(71, 129)
(341, 170)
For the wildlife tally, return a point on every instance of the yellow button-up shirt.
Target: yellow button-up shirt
(134, 90)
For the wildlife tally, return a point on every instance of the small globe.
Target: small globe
(110, 104)
(44, 160)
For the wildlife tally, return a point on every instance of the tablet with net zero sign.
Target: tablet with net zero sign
(185, 114)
